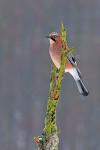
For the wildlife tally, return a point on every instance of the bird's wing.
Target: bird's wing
(72, 60)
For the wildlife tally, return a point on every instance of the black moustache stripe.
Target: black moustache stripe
(53, 39)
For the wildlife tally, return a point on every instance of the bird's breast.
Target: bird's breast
(55, 55)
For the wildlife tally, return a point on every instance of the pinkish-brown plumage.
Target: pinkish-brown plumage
(55, 52)
(71, 65)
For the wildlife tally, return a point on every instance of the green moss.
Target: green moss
(50, 128)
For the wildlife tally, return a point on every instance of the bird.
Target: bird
(71, 67)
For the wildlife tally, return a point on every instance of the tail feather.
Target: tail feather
(80, 85)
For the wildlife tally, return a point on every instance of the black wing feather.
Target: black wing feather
(72, 60)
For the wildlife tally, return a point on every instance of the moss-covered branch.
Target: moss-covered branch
(49, 139)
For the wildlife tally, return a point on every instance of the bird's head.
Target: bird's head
(54, 38)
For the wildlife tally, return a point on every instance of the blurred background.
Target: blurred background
(25, 68)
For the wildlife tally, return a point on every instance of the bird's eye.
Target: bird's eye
(53, 36)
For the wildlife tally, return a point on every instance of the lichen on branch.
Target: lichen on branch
(50, 139)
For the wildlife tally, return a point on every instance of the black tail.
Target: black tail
(81, 87)
(75, 72)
